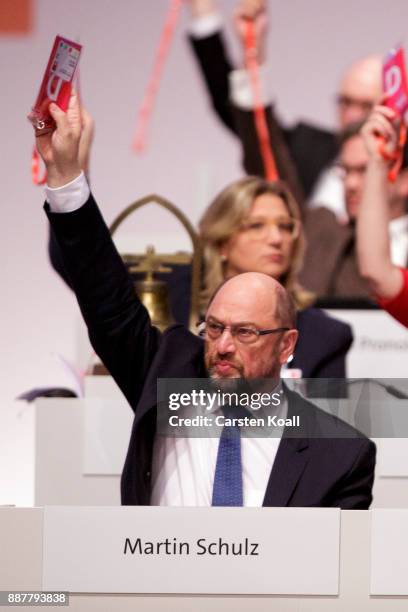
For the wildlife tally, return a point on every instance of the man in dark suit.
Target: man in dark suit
(249, 334)
(304, 153)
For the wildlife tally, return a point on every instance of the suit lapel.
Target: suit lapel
(291, 458)
(290, 461)
(170, 362)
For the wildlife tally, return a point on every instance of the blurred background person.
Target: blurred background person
(331, 268)
(387, 281)
(255, 225)
(304, 153)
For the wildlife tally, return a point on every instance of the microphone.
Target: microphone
(397, 393)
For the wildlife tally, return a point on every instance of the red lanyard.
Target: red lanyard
(397, 156)
(261, 126)
(35, 169)
(145, 111)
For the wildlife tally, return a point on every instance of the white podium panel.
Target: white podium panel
(389, 552)
(192, 550)
(21, 540)
(393, 458)
(17, 448)
(380, 347)
(60, 475)
(108, 422)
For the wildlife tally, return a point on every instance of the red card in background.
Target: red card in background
(56, 83)
(395, 83)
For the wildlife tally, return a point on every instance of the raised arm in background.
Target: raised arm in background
(373, 242)
(207, 39)
(230, 90)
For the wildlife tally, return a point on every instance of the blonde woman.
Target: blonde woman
(254, 225)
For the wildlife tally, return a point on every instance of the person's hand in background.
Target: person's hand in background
(382, 125)
(255, 11)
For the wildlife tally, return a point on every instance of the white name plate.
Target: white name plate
(389, 546)
(289, 551)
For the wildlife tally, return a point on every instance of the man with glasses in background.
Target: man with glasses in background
(249, 334)
(330, 267)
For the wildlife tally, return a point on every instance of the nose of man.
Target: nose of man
(225, 343)
(351, 182)
(353, 114)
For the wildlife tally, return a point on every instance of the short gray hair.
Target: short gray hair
(285, 311)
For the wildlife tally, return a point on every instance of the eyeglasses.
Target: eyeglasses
(344, 102)
(243, 333)
(257, 229)
(344, 171)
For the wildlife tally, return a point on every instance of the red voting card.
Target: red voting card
(395, 84)
(56, 83)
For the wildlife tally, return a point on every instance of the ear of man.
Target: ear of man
(287, 345)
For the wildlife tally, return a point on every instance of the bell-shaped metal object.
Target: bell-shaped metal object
(153, 293)
(154, 296)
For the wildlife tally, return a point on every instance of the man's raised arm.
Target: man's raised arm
(373, 242)
(118, 324)
(207, 41)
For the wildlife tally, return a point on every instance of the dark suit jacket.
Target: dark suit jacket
(301, 152)
(308, 471)
(323, 341)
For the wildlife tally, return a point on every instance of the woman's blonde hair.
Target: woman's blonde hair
(224, 217)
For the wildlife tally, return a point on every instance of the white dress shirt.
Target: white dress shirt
(206, 25)
(398, 229)
(329, 192)
(183, 468)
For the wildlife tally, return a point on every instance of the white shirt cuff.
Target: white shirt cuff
(202, 27)
(241, 88)
(69, 197)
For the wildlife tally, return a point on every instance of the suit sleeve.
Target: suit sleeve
(327, 240)
(355, 491)
(215, 66)
(56, 258)
(334, 363)
(118, 324)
